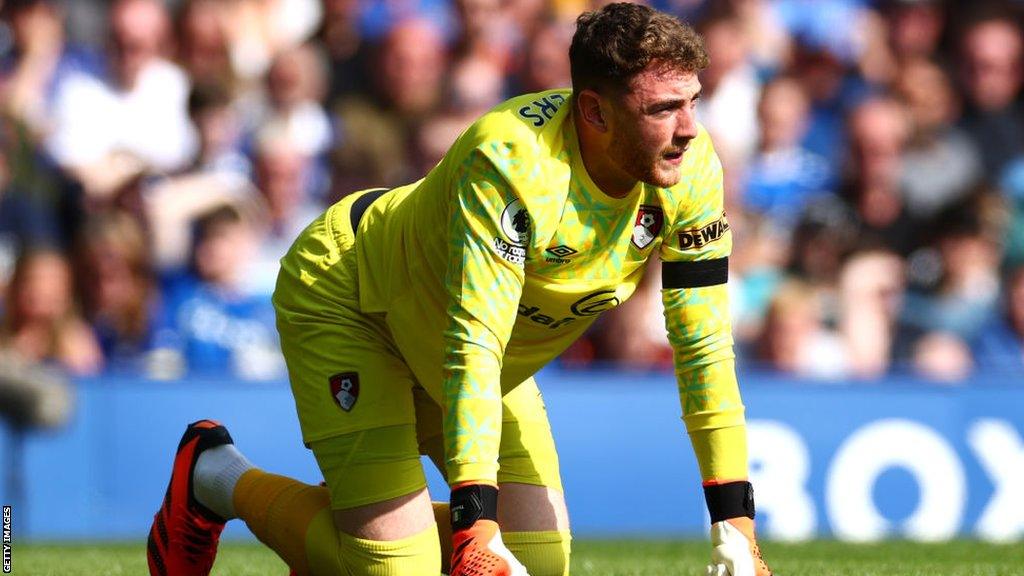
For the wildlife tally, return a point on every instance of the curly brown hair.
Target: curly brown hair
(613, 44)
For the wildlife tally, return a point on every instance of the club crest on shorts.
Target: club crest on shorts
(345, 389)
(649, 220)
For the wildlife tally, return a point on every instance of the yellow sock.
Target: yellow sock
(443, 519)
(281, 512)
(543, 553)
(295, 520)
(417, 555)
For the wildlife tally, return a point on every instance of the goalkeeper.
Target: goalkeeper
(412, 321)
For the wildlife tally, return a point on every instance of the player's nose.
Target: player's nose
(686, 124)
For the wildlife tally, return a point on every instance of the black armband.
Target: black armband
(730, 500)
(695, 274)
(473, 502)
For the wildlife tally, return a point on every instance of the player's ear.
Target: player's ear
(589, 103)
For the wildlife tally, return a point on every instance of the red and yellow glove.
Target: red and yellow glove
(734, 545)
(477, 549)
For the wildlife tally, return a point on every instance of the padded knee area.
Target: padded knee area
(543, 553)
(417, 555)
(296, 521)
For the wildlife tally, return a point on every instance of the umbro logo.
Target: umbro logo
(559, 254)
(560, 251)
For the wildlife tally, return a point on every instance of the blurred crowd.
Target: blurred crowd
(157, 158)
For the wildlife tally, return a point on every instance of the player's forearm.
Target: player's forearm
(697, 321)
(472, 421)
(701, 336)
(713, 413)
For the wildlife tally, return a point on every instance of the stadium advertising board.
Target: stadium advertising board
(858, 463)
(867, 462)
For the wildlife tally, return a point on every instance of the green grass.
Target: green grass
(591, 558)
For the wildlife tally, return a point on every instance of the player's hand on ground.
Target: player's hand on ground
(479, 551)
(734, 550)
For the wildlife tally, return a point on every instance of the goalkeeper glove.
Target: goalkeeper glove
(477, 549)
(734, 545)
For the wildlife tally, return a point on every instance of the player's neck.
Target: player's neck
(610, 179)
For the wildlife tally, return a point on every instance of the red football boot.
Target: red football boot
(183, 538)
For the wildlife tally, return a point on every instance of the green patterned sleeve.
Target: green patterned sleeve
(695, 259)
(489, 230)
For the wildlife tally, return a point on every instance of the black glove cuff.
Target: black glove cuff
(730, 500)
(473, 502)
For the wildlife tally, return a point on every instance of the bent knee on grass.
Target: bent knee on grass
(521, 508)
(392, 519)
(531, 508)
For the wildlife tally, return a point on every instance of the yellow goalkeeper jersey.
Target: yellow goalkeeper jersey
(506, 252)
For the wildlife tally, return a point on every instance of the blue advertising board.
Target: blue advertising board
(858, 462)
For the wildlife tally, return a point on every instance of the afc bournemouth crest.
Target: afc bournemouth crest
(649, 220)
(345, 390)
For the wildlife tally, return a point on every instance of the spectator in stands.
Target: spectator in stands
(767, 38)
(833, 92)
(545, 62)
(281, 169)
(41, 322)
(475, 86)
(876, 64)
(259, 29)
(964, 289)
(941, 165)
(730, 91)
(794, 339)
(819, 245)
(991, 71)
(118, 289)
(942, 357)
(783, 176)
(104, 127)
(832, 26)
(915, 28)
(87, 21)
(870, 293)
(295, 86)
(24, 223)
(756, 269)
(219, 129)
(219, 174)
(872, 187)
(171, 205)
(202, 38)
(377, 135)
(39, 62)
(483, 32)
(207, 318)
(527, 15)
(345, 48)
(1001, 345)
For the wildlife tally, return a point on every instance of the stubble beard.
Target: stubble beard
(647, 168)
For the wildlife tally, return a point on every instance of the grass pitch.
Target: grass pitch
(590, 558)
